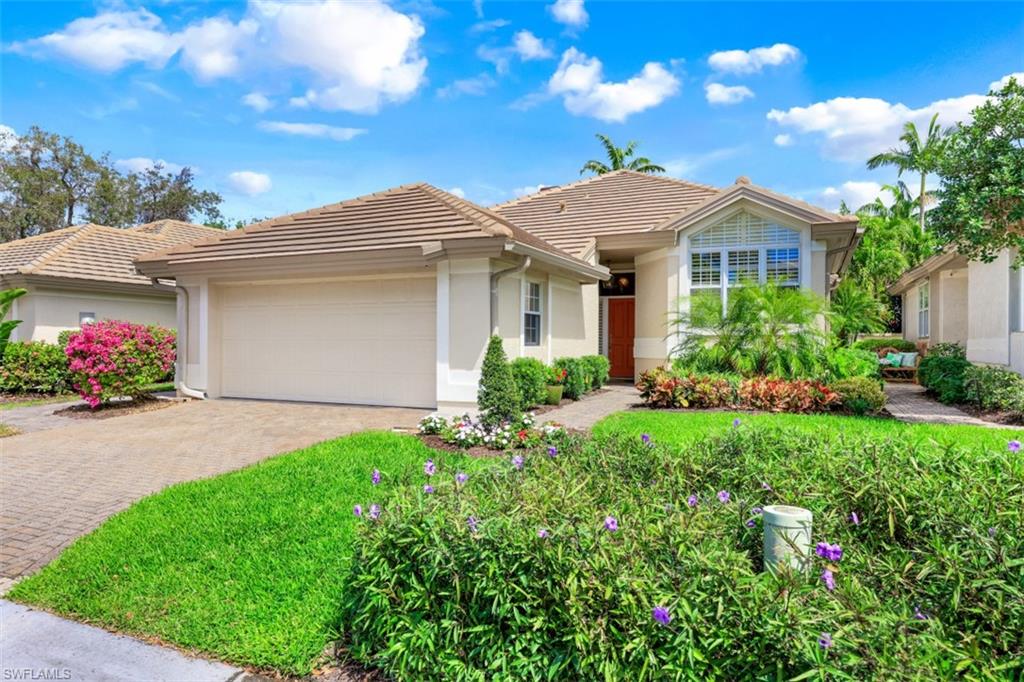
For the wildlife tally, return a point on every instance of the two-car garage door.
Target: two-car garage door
(362, 341)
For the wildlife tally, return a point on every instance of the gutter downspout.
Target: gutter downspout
(495, 276)
(183, 354)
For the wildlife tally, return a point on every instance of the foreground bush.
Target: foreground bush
(531, 377)
(994, 388)
(618, 560)
(597, 368)
(846, 363)
(779, 395)
(660, 388)
(576, 381)
(498, 396)
(860, 395)
(34, 366)
(943, 375)
(109, 359)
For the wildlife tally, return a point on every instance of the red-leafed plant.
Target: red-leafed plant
(781, 395)
(109, 359)
(661, 388)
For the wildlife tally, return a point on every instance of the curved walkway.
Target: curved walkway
(909, 403)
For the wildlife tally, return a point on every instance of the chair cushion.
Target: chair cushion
(909, 359)
(894, 359)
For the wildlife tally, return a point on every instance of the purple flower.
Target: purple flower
(357, 510)
(918, 615)
(692, 500)
(756, 510)
(471, 522)
(765, 486)
(662, 615)
(376, 477)
(827, 551)
(646, 439)
(543, 533)
(428, 467)
(374, 511)
(854, 519)
(1013, 446)
(992, 532)
(829, 579)
(736, 423)
(428, 489)
(517, 461)
(611, 523)
(461, 477)
(751, 523)
(825, 640)
(552, 451)
(723, 496)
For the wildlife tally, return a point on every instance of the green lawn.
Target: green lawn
(6, 430)
(71, 397)
(246, 566)
(683, 427)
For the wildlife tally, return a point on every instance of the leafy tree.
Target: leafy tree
(498, 397)
(854, 311)
(620, 158)
(918, 155)
(165, 195)
(982, 196)
(114, 200)
(7, 297)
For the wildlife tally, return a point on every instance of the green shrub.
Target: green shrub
(661, 388)
(994, 388)
(514, 574)
(64, 336)
(498, 397)
(947, 350)
(875, 345)
(35, 367)
(844, 363)
(943, 375)
(577, 379)
(531, 378)
(860, 395)
(598, 369)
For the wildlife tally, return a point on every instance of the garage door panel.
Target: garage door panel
(359, 341)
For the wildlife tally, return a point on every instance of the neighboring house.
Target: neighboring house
(947, 299)
(86, 273)
(389, 299)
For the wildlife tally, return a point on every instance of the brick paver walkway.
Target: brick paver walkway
(908, 402)
(583, 414)
(58, 484)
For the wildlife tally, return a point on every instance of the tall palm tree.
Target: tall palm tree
(620, 158)
(921, 156)
(901, 208)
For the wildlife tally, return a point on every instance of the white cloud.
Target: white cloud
(752, 61)
(578, 80)
(458, 191)
(476, 86)
(855, 128)
(210, 49)
(157, 90)
(1005, 80)
(855, 193)
(117, 106)
(478, 8)
(249, 183)
(570, 12)
(499, 56)
(716, 93)
(528, 189)
(7, 137)
(140, 164)
(489, 25)
(257, 101)
(783, 140)
(530, 47)
(686, 166)
(312, 130)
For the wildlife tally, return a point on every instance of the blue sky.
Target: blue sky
(283, 106)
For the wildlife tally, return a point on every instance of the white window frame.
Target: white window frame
(924, 303)
(725, 278)
(538, 313)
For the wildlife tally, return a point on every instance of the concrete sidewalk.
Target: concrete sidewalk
(35, 645)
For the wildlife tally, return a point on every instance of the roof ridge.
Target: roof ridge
(548, 191)
(42, 235)
(477, 214)
(669, 178)
(57, 248)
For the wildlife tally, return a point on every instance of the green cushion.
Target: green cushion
(895, 359)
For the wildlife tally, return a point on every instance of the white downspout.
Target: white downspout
(182, 358)
(495, 276)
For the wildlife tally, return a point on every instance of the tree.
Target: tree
(498, 397)
(982, 195)
(168, 196)
(620, 158)
(855, 311)
(7, 297)
(921, 156)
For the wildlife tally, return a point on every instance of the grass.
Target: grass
(71, 397)
(6, 430)
(246, 566)
(680, 428)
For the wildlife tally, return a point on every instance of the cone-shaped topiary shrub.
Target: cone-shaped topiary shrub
(498, 397)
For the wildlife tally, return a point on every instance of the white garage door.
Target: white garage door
(363, 341)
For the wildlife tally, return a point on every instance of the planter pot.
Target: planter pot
(787, 537)
(554, 394)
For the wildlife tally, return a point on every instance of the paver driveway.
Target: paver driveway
(59, 484)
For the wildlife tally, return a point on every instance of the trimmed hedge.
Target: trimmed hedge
(598, 368)
(943, 375)
(994, 388)
(845, 363)
(860, 395)
(34, 367)
(531, 378)
(577, 379)
(874, 345)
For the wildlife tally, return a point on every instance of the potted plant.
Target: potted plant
(556, 379)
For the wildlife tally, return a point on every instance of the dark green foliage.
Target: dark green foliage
(577, 379)
(947, 350)
(498, 397)
(853, 310)
(62, 337)
(35, 367)
(874, 345)
(860, 395)
(843, 363)
(994, 388)
(943, 375)
(597, 368)
(531, 378)
(941, 529)
(7, 298)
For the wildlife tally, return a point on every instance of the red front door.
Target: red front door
(621, 317)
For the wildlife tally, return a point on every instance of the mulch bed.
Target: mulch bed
(996, 417)
(434, 442)
(116, 408)
(27, 397)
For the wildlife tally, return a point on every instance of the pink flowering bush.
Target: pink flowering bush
(109, 359)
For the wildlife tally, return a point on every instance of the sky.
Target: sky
(285, 106)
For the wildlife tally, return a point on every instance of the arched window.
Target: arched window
(741, 248)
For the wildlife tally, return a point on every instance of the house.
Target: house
(85, 273)
(948, 299)
(389, 298)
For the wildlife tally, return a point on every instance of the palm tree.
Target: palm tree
(902, 206)
(620, 158)
(918, 155)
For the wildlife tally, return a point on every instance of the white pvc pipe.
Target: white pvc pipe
(787, 538)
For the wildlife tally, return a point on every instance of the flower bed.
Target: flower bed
(465, 432)
(621, 559)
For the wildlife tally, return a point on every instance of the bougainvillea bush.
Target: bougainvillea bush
(110, 359)
(623, 560)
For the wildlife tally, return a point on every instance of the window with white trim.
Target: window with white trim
(923, 303)
(749, 249)
(532, 314)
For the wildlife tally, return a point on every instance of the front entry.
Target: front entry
(621, 321)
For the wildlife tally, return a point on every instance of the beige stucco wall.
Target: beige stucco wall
(46, 312)
(949, 307)
(657, 276)
(910, 315)
(988, 320)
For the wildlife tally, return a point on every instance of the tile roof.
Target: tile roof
(94, 252)
(570, 216)
(409, 216)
